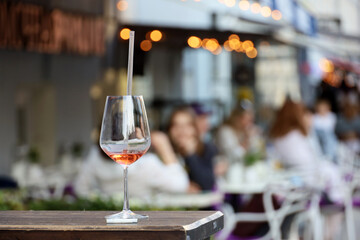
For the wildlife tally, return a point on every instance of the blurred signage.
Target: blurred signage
(277, 74)
(304, 21)
(34, 28)
(297, 15)
(329, 25)
(286, 7)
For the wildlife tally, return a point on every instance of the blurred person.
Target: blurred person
(298, 151)
(203, 125)
(348, 126)
(239, 135)
(198, 157)
(324, 125)
(27, 171)
(202, 121)
(265, 114)
(157, 171)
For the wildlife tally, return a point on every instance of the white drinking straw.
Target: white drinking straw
(130, 62)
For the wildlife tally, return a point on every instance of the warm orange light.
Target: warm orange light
(255, 7)
(95, 92)
(240, 48)
(244, 5)
(155, 35)
(204, 41)
(125, 33)
(212, 45)
(276, 15)
(247, 45)
(194, 42)
(234, 43)
(326, 65)
(227, 46)
(251, 53)
(122, 5)
(230, 3)
(234, 36)
(266, 11)
(221, 1)
(197, 0)
(333, 79)
(146, 45)
(218, 50)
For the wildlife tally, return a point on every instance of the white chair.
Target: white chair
(311, 218)
(350, 167)
(294, 199)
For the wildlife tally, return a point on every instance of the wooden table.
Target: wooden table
(54, 225)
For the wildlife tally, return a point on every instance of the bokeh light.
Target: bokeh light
(251, 53)
(122, 5)
(218, 50)
(255, 7)
(230, 3)
(212, 45)
(95, 92)
(146, 45)
(240, 48)
(204, 41)
(234, 36)
(326, 65)
(234, 43)
(194, 42)
(266, 11)
(227, 46)
(247, 45)
(221, 1)
(276, 15)
(244, 5)
(156, 35)
(125, 33)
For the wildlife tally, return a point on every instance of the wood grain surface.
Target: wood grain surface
(189, 225)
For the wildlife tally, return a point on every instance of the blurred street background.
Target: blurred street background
(235, 76)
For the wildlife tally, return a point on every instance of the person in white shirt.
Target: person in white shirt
(324, 126)
(151, 174)
(239, 134)
(293, 144)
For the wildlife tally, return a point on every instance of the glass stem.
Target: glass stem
(126, 200)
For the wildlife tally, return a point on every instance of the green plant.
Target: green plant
(34, 155)
(77, 149)
(252, 157)
(12, 200)
(19, 200)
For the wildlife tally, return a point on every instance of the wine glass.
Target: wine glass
(125, 137)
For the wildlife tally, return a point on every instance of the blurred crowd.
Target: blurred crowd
(191, 156)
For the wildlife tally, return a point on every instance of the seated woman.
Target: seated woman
(153, 173)
(197, 156)
(297, 152)
(239, 135)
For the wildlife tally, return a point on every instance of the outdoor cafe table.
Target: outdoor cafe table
(175, 225)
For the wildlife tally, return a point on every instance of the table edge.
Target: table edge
(196, 224)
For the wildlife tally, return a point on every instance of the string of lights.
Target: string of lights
(211, 44)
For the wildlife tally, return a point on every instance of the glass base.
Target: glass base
(126, 214)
